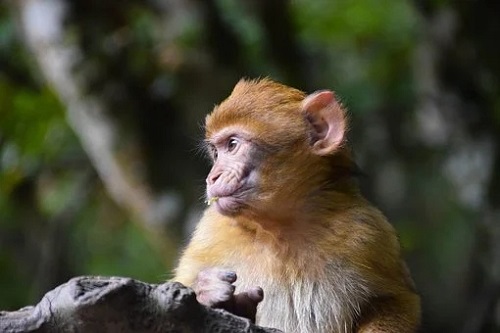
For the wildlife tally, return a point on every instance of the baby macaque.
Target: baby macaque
(287, 239)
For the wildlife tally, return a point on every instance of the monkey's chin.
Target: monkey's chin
(228, 205)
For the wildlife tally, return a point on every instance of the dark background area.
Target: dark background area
(102, 102)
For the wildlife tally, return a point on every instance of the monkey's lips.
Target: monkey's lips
(228, 205)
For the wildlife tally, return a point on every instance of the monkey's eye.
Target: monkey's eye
(232, 143)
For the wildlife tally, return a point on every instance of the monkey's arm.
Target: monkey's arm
(187, 271)
(393, 305)
(394, 314)
(205, 268)
(201, 252)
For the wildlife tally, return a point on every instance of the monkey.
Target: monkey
(287, 239)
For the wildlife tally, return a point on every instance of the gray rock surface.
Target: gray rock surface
(117, 304)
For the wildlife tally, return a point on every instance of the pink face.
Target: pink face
(232, 179)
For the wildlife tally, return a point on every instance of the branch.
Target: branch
(116, 304)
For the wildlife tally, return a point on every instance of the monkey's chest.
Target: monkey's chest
(300, 304)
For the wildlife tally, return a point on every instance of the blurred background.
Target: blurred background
(102, 103)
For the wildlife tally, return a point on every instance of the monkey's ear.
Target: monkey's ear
(327, 119)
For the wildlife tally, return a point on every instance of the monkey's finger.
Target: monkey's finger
(216, 273)
(227, 275)
(256, 294)
(245, 303)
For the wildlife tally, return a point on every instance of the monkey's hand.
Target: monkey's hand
(214, 288)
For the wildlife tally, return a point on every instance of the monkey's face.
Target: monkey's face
(250, 176)
(232, 181)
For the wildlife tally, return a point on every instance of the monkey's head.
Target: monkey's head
(273, 148)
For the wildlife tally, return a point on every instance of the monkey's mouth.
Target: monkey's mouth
(228, 205)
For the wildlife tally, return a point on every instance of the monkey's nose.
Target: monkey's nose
(212, 177)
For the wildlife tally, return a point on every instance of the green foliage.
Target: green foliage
(14, 296)
(357, 23)
(250, 32)
(368, 42)
(33, 121)
(34, 133)
(107, 243)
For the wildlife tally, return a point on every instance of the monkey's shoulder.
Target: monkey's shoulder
(358, 225)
